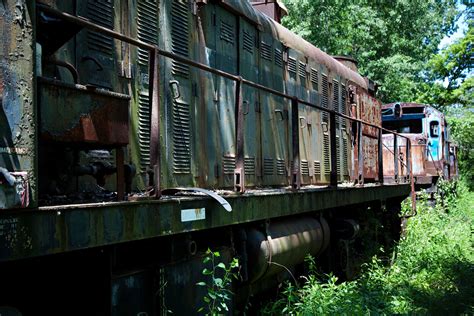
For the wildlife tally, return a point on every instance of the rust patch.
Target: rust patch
(88, 117)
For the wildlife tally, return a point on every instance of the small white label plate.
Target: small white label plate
(193, 214)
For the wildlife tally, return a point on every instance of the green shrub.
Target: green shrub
(432, 270)
(218, 287)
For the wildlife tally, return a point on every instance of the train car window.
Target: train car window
(434, 129)
(412, 126)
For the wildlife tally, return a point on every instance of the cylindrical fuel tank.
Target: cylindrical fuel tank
(284, 244)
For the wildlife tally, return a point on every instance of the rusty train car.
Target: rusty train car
(434, 154)
(136, 134)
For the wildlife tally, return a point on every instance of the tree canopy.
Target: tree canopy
(449, 77)
(392, 40)
(396, 45)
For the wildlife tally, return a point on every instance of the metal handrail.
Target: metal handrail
(155, 51)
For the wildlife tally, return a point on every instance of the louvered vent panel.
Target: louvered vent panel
(325, 98)
(345, 156)
(248, 42)
(227, 32)
(343, 104)
(228, 164)
(338, 155)
(180, 35)
(249, 165)
(327, 158)
(181, 137)
(317, 167)
(304, 167)
(278, 57)
(100, 12)
(281, 167)
(268, 166)
(265, 51)
(335, 100)
(144, 129)
(314, 78)
(292, 66)
(147, 26)
(302, 70)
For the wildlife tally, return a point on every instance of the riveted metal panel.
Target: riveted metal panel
(49, 230)
(180, 29)
(180, 135)
(274, 115)
(248, 62)
(325, 123)
(370, 112)
(227, 60)
(306, 124)
(96, 59)
(315, 129)
(144, 26)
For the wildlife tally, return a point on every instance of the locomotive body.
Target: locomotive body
(136, 134)
(433, 152)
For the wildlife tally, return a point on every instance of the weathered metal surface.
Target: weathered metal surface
(370, 112)
(296, 169)
(284, 244)
(426, 128)
(154, 108)
(59, 229)
(273, 9)
(18, 120)
(239, 172)
(367, 109)
(333, 142)
(347, 61)
(249, 56)
(290, 39)
(76, 114)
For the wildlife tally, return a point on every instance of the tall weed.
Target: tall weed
(432, 270)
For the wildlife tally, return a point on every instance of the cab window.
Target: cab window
(434, 129)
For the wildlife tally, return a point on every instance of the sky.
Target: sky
(462, 27)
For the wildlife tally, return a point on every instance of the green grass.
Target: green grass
(432, 270)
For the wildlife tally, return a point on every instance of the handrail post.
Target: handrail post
(412, 180)
(395, 157)
(360, 154)
(333, 141)
(408, 157)
(154, 104)
(239, 172)
(295, 172)
(380, 156)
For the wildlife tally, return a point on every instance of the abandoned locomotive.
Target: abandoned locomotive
(136, 134)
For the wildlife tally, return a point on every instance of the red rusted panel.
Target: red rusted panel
(368, 109)
(371, 158)
(418, 156)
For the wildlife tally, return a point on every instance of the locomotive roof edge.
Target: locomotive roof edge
(292, 40)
